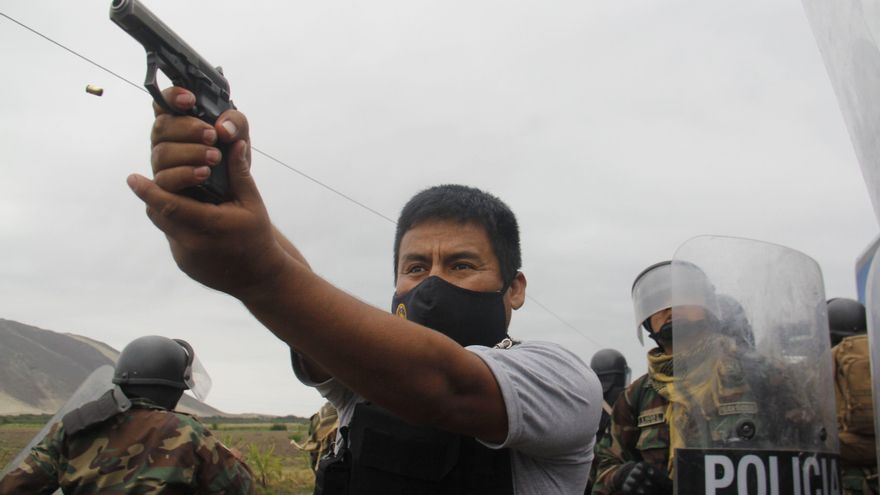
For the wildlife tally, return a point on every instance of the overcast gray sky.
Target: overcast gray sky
(615, 130)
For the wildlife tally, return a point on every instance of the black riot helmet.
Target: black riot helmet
(159, 369)
(611, 368)
(846, 317)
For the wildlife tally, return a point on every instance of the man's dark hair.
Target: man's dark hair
(465, 204)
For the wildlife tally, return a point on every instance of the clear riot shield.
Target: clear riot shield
(873, 308)
(751, 388)
(848, 33)
(93, 387)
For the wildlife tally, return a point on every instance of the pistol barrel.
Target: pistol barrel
(135, 19)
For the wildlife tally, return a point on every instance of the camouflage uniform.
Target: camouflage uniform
(322, 434)
(638, 432)
(640, 429)
(858, 480)
(603, 440)
(858, 464)
(858, 455)
(146, 450)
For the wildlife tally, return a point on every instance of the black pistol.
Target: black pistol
(187, 69)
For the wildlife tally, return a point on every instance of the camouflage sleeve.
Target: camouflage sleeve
(618, 446)
(221, 470)
(38, 473)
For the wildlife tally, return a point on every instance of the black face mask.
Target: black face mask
(465, 316)
(664, 335)
(683, 328)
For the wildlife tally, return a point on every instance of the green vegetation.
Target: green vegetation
(265, 464)
(26, 419)
(257, 420)
(13, 438)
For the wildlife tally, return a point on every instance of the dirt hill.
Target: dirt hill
(40, 369)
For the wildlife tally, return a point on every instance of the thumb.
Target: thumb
(241, 182)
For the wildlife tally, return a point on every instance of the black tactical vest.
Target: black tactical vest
(384, 455)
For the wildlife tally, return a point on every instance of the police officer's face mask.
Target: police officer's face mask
(685, 329)
(663, 336)
(467, 317)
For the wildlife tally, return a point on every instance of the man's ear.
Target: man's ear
(517, 291)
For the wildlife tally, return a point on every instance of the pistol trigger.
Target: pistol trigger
(152, 87)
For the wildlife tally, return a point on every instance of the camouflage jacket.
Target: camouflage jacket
(602, 437)
(858, 480)
(641, 432)
(638, 432)
(146, 450)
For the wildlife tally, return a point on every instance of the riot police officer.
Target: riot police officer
(633, 458)
(614, 375)
(132, 432)
(655, 412)
(846, 317)
(847, 323)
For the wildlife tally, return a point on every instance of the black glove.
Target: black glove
(641, 478)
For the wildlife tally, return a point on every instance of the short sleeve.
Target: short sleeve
(336, 393)
(553, 400)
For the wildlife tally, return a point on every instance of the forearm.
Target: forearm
(617, 447)
(418, 374)
(288, 247)
(606, 470)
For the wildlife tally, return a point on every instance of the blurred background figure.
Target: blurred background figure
(734, 321)
(847, 323)
(846, 317)
(614, 375)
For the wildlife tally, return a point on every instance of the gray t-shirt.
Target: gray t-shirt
(554, 403)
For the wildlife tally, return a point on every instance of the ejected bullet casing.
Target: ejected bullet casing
(95, 90)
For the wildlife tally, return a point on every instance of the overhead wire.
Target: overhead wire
(73, 52)
(280, 162)
(270, 157)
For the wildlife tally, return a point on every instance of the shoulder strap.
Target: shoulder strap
(108, 405)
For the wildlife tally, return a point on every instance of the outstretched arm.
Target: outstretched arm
(419, 374)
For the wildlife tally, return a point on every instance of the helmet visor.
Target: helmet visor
(195, 376)
(652, 291)
(199, 381)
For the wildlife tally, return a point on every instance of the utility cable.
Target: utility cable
(569, 325)
(73, 52)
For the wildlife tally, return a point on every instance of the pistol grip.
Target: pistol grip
(216, 189)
